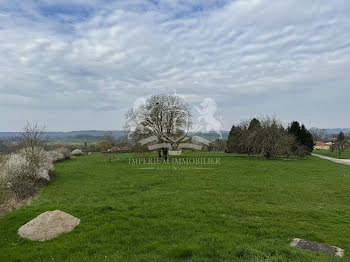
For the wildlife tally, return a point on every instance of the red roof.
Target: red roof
(321, 143)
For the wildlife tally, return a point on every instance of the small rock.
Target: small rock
(317, 247)
(48, 225)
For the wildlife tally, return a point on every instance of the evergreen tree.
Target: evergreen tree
(254, 125)
(294, 129)
(341, 144)
(234, 141)
(229, 143)
(340, 137)
(303, 137)
(252, 139)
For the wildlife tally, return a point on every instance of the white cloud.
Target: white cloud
(97, 58)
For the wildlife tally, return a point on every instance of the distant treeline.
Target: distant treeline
(92, 135)
(336, 131)
(83, 134)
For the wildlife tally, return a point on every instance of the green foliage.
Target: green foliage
(253, 137)
(266, 137)
(138, 148)
(341, 137)
(6, 147)
(5, 193)
(254, 125)
(294, 129)
(303, 138)
(103, 145)
(218, 145)
(234, 141)
(344, 155)
(341, 144)
(244, 210)
(108, 136)
(273, 139)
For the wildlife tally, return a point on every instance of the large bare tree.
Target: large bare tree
(162, 120)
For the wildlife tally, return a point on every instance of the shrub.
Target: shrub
(103, 145)
(5, 192)
(267, 137)
(341, 144)
(274, 141)
(65, 151)
(59, 154)
(236, 139)
(77, 152)
(3, 159)
(41, 166)
(6, 147)
(24, 172)
(301, 151)
(56, 155)
(303, 138)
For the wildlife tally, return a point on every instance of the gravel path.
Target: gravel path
(336, 160)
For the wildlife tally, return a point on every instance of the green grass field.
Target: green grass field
(245, 209)
(335, 154)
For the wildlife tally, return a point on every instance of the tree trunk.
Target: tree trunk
(165, 153)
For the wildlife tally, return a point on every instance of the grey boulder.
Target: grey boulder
(48, 225)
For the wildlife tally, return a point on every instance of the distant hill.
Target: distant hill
(333, 131)
(88, 134)
(9, 134)
(72, 134)
(213, 136)
(91, 135)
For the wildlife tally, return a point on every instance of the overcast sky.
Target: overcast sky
(77, 64)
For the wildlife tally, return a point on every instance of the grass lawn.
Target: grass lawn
(245, 209)
(335, 154)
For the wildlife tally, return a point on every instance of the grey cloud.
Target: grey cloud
(252, 56)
